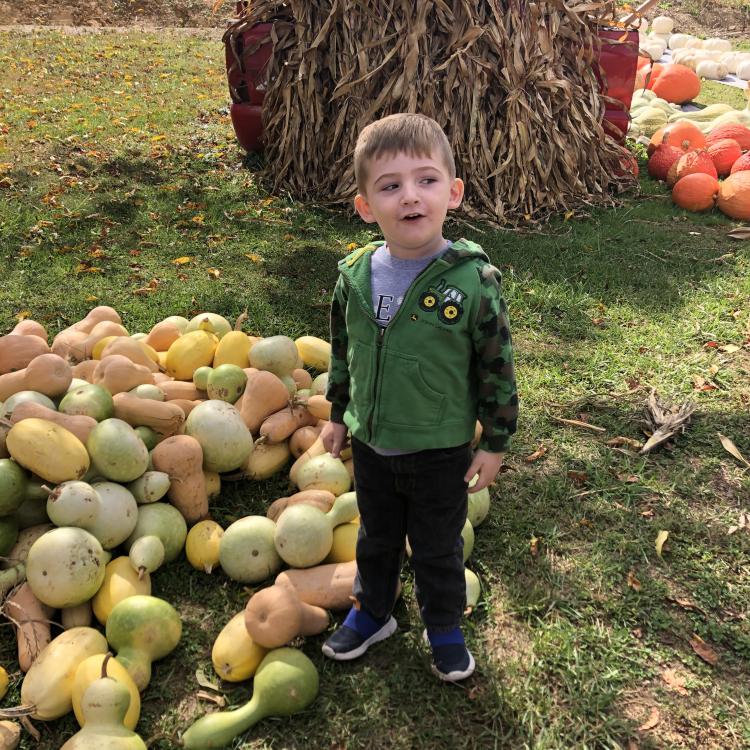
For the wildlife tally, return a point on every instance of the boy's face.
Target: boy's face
(409, 197)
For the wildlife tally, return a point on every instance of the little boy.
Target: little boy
(420, 350)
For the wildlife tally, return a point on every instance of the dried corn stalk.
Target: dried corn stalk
(512, 84)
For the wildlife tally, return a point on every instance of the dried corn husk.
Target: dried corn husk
(512, 83)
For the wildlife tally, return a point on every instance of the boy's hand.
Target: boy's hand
(485, 464)
(333, 436)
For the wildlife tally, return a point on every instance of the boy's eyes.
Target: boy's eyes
(394, 185)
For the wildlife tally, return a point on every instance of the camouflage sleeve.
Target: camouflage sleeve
(338, 372)
(497, 403)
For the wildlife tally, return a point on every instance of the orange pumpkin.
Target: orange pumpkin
(675, 83)
(724, 153)
(734, 196)
(696, 192)
(735, 131)
(663, 157)
(690, 163)
(684, 135)
(742, 164)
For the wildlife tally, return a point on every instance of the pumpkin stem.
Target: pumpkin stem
(107, 657)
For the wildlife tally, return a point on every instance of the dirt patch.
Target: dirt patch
(726, 18)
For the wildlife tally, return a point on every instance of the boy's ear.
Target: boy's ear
(362, 207)
(457, 193)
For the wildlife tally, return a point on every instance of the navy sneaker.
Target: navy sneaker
(357, 633)
(451, 660)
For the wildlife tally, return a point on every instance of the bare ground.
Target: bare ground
(726, 18)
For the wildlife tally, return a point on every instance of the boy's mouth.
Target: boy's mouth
(412, 217)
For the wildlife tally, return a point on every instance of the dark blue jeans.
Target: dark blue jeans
(422, 495)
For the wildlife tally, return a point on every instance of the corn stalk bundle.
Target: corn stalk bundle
(511, 82)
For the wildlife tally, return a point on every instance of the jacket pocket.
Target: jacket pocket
(360, 360)
(406, 399)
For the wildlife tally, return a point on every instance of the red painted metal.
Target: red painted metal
(618, 60)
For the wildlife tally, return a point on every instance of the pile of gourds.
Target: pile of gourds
(111, 448)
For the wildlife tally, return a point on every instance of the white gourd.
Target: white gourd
(722, 45)
(661, 38)
(732, 59)
(712, 70)
(678, 41)
(654, 50)
(743, 70)
(694, 43)
(662, 25)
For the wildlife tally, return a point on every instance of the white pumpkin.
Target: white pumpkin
(722, 45)
(662, 25)
(678, 41)
(712, 70)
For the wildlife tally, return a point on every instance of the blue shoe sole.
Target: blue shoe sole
(385, 632)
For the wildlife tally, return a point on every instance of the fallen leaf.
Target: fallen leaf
(619, 441)
(181, 261)
(23, 315)
(648, 513)
(739, 233)
(203, 681)
(84, 268)
(214, 273)
(91, 298)
(578, 477)
(729, 348)
(637, 633)
(674, 681)
(536, 455)
(633, 582)
(629, 478)
(568, 215)
(661, 538)
(351, 246)
(703, 650)
(534, 546)
(651, 722)
(731, 448)
(254, 257)
(219, 700)
(684, 603)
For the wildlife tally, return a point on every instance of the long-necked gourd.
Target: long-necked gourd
(286, 682)
(104, 705)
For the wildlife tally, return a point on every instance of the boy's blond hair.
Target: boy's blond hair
(413, 134)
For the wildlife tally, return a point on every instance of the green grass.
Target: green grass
(118, 158)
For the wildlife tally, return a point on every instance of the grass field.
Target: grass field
(121, 184)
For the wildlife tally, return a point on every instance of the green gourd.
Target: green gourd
(285, 683)
(104, 705)
(142, 629)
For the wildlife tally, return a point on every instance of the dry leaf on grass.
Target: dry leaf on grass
(579, 423)
(536, 455)
(675, 681)
(534, 546)
(661, 538)
(703, 650)
(731, 448)
(633, 582)
(742, 523)
(653, 719)
(739, 233)
(620, 441)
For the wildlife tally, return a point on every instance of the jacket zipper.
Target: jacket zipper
(379, 344)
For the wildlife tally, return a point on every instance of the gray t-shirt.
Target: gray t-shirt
(390, 280)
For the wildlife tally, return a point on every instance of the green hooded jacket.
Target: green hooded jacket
(444, 360)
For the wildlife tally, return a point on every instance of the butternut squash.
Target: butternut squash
(328, 586)
(117, 374)
(181, 389)
(80, 425)
(275, 615)
(32, 622)
(162, 417)
(319, 407)
(163, 335)
(282, 424)
(321, 499)
(302, 378)
(17, 351)
(30, 327)
(181, 457)
(47, 374)
(85, 370)
(302, 439)
(77, 616)
(66, 341)
(186, 405)
(264, 394)
(94, 316)
(131, 349)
